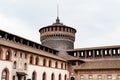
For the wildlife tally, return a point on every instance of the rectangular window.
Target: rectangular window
(105, 52)
(118, 77)
(97, 53)
(81, 77)
(109, 77)
(82, 54)
(118, 51)
(75, 53)
(13, 77)
(90, 77)
(99, 77)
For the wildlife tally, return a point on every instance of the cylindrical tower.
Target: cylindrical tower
(58, 36)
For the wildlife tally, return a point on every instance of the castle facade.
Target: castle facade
(55, 58)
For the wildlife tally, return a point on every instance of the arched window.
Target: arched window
(60, 77)
(37, 61)
(50, 63)
(65, 77)
(25, 55)
(44, 62)
(8, 55)
(1, 53)
(34, 76)
(25, 66)
(72, 78)
(61, 65)
(14, 65)
(44, 76)
(65, 66)
(56, 64)
(5, 74)
(20, 55)
(52, 76)
(31, 59)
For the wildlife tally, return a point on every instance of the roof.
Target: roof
(69, 57)
(58, 23)
(23, 47)
(2, 32)
(108, 64)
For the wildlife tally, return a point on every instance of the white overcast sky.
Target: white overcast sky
(97, 21)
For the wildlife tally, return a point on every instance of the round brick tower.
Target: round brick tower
(58, 36)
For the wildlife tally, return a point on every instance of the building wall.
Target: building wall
(95, 74)
(20, 57)
(48, 71)
(58, 43)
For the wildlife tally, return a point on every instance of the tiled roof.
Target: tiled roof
(108, 64)
(69, 57)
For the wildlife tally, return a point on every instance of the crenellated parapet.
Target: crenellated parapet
(22, 41)
(104, 52)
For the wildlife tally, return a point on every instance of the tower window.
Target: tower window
(65, 66)
(81, 53)
(89, 53)
(13, 78)
(59, 28)
(56, 64)
(31, 59)
(37, 61)
(99, 77)
(118, 77)
(14, 65)
(61, 65)
(90, 77)
(44, 62)
(81, 77)
(109, 77)
(25, 55)
(20, 55)
(118, 51)
(25, 66)
(114, 51)
(97, 53)
(8, 55)
(50, 63)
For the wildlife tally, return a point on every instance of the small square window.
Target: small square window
(109, 77)
(81, 77)
(118, 77)
(90, 77)
(99, 77)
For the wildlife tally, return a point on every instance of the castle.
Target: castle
(55, 58)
